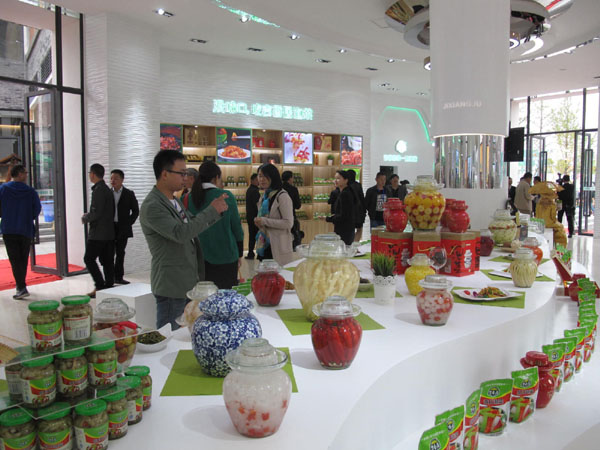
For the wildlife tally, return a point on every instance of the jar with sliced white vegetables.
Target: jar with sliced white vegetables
(523, 268)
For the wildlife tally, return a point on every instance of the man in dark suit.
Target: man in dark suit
(567, 197)
(101, 236)
(126, 213)
(252, 198)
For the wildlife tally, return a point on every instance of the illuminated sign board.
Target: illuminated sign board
(401, 147)
(262, 110)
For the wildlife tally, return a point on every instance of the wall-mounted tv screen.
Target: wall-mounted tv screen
(351, 148)
(297, 148)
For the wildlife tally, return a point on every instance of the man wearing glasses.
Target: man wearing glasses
(177, 262)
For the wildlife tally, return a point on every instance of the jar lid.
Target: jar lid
(268, 265)
(328, 245)
(14, 417)
(138, 371)
(91, 408)
(531, 242)
(460, 204)
(394, 203)
(449, 202)
(420, 259)
(71, 353)
(435, 282)
(425, 182)
(129, 382)
(256, 355)
(55, 411)
(75, 300)
(502, 214)
(112, 394)
(113, 310)
(536, 358)
(336, 306)
(485, 232)
(102, 346)
(44, 305)
(202, 290)
(39, 362)
(524, 253)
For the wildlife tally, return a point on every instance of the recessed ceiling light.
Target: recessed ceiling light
(254, 49)
(403, 60)
(324, 61)
(195, 126)
(198, 41)
(244, 19)
(264, 131)
(371, 68)
(391, 60)
(421, 93)
(384, 85)
(427, 63)
(342, 50)
(293, 36)
(162, 12)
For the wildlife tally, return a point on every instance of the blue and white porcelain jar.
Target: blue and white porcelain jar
(225, 322)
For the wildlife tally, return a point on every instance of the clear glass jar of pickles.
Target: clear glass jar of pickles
(117, 411)
(13, 379)
(420, 267)
(38, 379)
(55, 427)
(44, 323)
(523, 269)
(102, 364)
(534, 245)
(144, 373)
(77, 319)
(72, 373)
(134, 396)
(91, 425)
(434, 302)
(17, 430)
(503, 227)
(425, 204)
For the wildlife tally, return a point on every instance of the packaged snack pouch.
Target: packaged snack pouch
(587, 294)
(556, 355)
(455, 421)
(588, 341)
(524, 394)
(569, 367)
(580, 334)
(494, 406)
(587, 306)
(471, 440)
(434, 438)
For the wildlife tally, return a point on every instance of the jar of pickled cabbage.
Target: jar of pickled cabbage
(420, 267)
(425, 205)
(534, 245)
(17, 430)
(523, 269)
(434, 302)
(326, 271)
(503, 228)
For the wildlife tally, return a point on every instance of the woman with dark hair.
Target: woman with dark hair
(222, 244)
(275, 218)
(343, 218)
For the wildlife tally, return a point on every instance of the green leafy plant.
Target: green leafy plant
(330, 157)
(383, 265)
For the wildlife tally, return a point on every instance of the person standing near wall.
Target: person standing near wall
(252, 198)
(343, 217)
(359, 207)
(567, 197)
(523, 198)
(374, 200)
(19, 206)
(296, 203)
(126, 213)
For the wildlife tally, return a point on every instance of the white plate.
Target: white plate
(462, 293)
(359, 255)
(227, 158)
(500, 273)
(151, 348)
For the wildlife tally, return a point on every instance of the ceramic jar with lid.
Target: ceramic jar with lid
(257, 391)
(446, 213)
(201, 291)
(458, 218)
(503, 227)
(394, 216)
(45, 325)
(547, 383)
(420, 267)
(435, 301)
(534, 245)
(425, 204)
(268, 285)
(336, 334)
(523, 269)
(225, 322)
(487, 242)
(326, 271)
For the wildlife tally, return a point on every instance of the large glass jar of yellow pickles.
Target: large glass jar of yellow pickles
(420, 267)
(425, 204)
(523, 268)
(503, 227)
(325, 272)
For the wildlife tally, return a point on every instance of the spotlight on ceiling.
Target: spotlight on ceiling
(162, 12)
(373, 69)
(342, 50)
(323, 61)
(422, 94)
(384, 85)
(244, 19)
(391, 60)
(427, 63)
(198, 41)
(293, 36)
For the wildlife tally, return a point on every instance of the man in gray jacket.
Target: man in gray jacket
(172, 236)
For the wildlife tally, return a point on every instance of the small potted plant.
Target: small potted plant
(330, 160)
(384, 280)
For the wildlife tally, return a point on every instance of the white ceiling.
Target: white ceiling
(356, 25)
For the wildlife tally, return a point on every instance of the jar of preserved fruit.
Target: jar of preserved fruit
(257, 391)
(394, 216)
(17, 430)
(102, 364)
(134, 396)
(44, 323)
(91, 425)
(72, 373)
(13, 379)
(144, 373)
(38, 379)
(458, 218)
(268, 285)
(326, 271)
(523, 269)
(55, 427)
(425, 205)
(336, 334)
(117, 411)
(446, 213)
(534, 245)
(420, 267)
(201, 291)
(487, 242)
(503, 228)
(77, 319)
(435, 301)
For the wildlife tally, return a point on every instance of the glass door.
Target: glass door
(538, 156)
(587, 182)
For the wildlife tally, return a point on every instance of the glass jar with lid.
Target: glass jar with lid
(326, 271)
(134, 396)
(102, 364)
(487, 242)
(523, 268)
(425, 204)
(503, 227)
(114, 313)
(117, 411)
(13, 379)
(534, 245)
(268, 285)
(91, 425)
(336, 334)
(38, 379)
(55, 427)
(435, 301)
(77, 319)
(201, 291)
(72, 373)
(420, 267)
(257, 391)
(44, 323)
(394, 216)
(17, 430)
(144, 373)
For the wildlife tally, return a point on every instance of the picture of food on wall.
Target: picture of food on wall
(351, 147)
(297, 148)
(170, 137)
(234, 145)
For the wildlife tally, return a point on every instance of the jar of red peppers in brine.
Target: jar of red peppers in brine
(487, 242)
(336, 334)
(144, 373)
(268, 285)
(435, 301)
(534, 245)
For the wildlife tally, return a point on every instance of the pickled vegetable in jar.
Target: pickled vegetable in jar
(17, 430)
(135, 397)
(55, 427)
(425, 205)
(13, 379)
(434, 302)
(91, 425)
(534, 245)
(102, 364)
(77, 319)
(44, 323)
(38, 379)
(144, 373)
(268, 285)
(503, 228)
(523, 269)
(117, 411)
(420, 267)
(487, 243)
(72, 373)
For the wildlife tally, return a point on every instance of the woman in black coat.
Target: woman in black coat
(343, 215)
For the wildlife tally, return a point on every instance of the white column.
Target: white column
(597, 196)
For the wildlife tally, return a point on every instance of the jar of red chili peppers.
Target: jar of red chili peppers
(336, 333)
(268, 285)
(547, 382)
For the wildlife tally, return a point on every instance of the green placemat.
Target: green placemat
(505, 259)
(296, 323)
(291, 269)
(370, 293)
(365, 242)
(497, 278)
(187, 378)
(3, 386)
(367, 255)
(515, 302)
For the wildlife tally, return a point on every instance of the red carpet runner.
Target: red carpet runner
(8, 282)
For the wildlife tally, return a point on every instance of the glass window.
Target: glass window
(591, 109)
(556, 112)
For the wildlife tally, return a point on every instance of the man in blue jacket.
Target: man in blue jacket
(19, 206)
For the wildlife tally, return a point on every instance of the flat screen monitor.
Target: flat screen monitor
(297, 148)
(351, 150)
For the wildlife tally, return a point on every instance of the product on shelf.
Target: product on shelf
(436, 437)
(394, 216)
(539, 363)
(461, 253)
(38, 378)
(454, 420)
(114, 313)
(420, 267)
(45, 325)
(569, 367)
(471, 439)
(523, 268)
(323, 198)
(144, 373)
(434, 302)
(425, 204)
(556, 356)
(13, 379)
(55, 428)
(17, 430)
(77, 319)
(494, 406)
(319, 214)
(102, 364)
(71, 373)
(580, 334)
(134, 396)
(91, 425)
(524, 393)
(117, 411)
(268, 285)
(503, 228)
